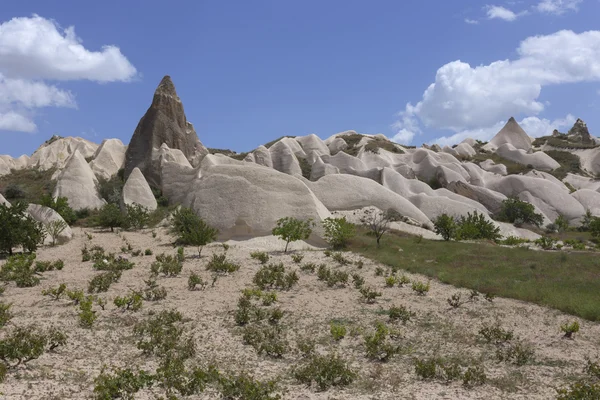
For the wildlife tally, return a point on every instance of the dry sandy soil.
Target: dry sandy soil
(436, 330)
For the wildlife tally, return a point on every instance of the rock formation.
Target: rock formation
(579, 133)
(46, 215)
(108, 159)
(163, 123)
(137, 191)
(55, 152)
(78, 184)
(511, 133)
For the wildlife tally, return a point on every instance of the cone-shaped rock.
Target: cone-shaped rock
(77, 183)
(511, 133)
(137, 191)
(46, 215)
(164, 122)
(579, 133)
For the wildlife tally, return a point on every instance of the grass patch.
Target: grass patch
(511, 166)
(545, 278)
(32, 182)
(568, 163)
(562, 143)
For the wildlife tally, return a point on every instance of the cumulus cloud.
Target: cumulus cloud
(558, 7)
(35, 50)
(534, 127)
(499, 12)
(464, 97)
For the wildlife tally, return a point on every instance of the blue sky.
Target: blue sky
(249, 72)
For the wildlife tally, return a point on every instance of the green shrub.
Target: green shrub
(494, 333)
(332, 278)
(249, 311)
(101, 282)
(191, 230)
(120, 383)
(420, 287)
(55, 293)
(546, 242)
(132, 301)
(517, 353)
(273, 276)
(391, 281)
(19, 268)
(570, 329)
(136, 216)
(5, 314)
(163, 335)
(369, 294)
(86, 315)
(167, 265)
(18, 228)
(519, 212)
(584, 388)
(378, 223)
(267, 339)
(340, 259)
(54, 229)
(245, 387)
(110, 216)
(445, 226)
(358, 281)
(14, 191)
(377, 344)
(260, 256)
(403, 280)
(308, 267)
(23, 344)
(338, 331)
(147, 252)
(220, 265)
(195, 280)
(297, 258)
(338, 232)
(512, 241)
(61, 206)
(153, 292)
(400, 313)
(325, 372)
(291, 229)
(43, 266)
(111, 189)
(474, 376)
(476, 227)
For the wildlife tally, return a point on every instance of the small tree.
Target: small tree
(338, 232)
(191, 229)
(292, 229)
(519, 212)
(445, 226)
(54, 229)
(18, 228)
(379, 222)
(562, 224)
(61, 206)
(136, 216)
(594, 227)
(110, 217)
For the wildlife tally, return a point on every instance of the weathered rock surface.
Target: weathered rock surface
(488, 198)
(46, 215)
(77, 183)
(490, 166)
(283, 158)
(579, 133)
(164, 123)
(539, 160)
(512, 134)
(241, 200)
(56, 152)
(108, 159)
(137, 191)
(589, 199)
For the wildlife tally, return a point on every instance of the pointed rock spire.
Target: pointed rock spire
(164, 123)
(513, 134)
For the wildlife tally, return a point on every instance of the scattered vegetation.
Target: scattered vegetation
(291, 229)
(338, 232)
(519, 212)
(18, 228)
(274, 276)
(191, 230)
(324, 372)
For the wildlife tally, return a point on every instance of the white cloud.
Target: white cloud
(558, 7)
(34, 50)
(534, 127)
(471, 21)
(11, 121)
(466, 98)
(499, 12)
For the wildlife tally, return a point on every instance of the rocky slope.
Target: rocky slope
(307, 177)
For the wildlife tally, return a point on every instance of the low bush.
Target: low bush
(291, 229)
(308, 267)
(163, 335)
(136, 216)
(340, 259)
(5, 314)
(220, 265)
(400, 313)
(18, 228)
(194, 281)
(476, 227)
(260, 256)
(378, 346)
(358, 281)
(23, 344)
(297, 258)
(445, 226)
(519, 212)
(101, 282)
(153, 292)
(517, 353)
(332, 278)
(337, 330)
(120, 383)
(421, 288)
(325, 371)
(274, 276)
(495, 334)
(192, 230)
(87, 316)
(267, 339)
(55, 293)
(131, 302)
(168, 265)
(110, 216)
(569, 329)
(338, 232)
(369, 294)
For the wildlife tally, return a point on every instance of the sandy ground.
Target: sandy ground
(437, 330)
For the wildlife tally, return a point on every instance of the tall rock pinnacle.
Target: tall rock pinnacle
(164, 122)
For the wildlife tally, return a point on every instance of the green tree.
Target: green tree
(561, 222)
(61, 206)
(379, 222)
(519, 212)
(292, 229)
(18, 228)
(338, 232)
(191, 230)
(110, 216)
(136, 216)
(445, 226)
(475, 227)
(54, 229)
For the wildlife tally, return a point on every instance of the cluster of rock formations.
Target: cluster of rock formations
(307, 177)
